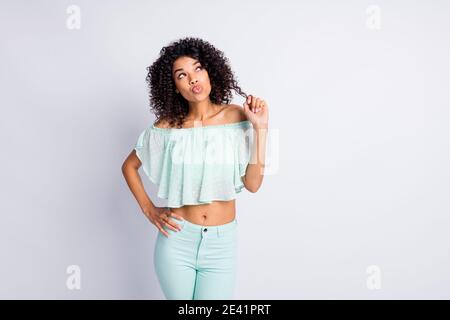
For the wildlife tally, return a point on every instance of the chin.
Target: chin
(200, 97)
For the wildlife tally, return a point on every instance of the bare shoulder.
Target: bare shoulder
(162, 124)
(235, 113)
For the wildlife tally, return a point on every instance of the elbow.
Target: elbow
(127, 166)
(252, 188)
(132, 162)
(124, 170)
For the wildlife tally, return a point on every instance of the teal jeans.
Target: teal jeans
(198, 262)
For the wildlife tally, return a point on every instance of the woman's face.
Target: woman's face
(191, 79)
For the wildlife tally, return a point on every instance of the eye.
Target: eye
(179, 76)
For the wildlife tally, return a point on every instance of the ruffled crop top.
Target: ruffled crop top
(196, 165)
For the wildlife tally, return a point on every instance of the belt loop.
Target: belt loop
(219, 233)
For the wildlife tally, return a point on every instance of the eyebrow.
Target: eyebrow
(180, 69)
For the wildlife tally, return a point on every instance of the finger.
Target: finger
(162, 218)
(246, 106)
(164, 232)
(166, 215)
(248, 101)
(172, 225)
(174, 215)
(177, 216)
(262, 105)
(161, 229)
(166, 221)
(163, 221)
(255, 104)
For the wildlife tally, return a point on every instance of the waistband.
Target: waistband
(217, 230)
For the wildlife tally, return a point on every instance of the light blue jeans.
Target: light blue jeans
(198, 262)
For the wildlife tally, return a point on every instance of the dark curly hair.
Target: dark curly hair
(172, 107)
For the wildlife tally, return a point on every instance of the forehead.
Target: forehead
(183, 62)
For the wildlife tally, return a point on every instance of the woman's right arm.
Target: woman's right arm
(130, 169)
(157, 215)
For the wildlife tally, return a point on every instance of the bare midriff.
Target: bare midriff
(210, 214)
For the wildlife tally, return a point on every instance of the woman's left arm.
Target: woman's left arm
(257, 112)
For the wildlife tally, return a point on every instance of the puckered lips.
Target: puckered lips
(197, 89)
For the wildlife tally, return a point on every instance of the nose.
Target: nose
(193, 82)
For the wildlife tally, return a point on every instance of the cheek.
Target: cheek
(183, 85)
(205, 79)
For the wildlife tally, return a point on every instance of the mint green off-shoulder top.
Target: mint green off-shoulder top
(196, 165)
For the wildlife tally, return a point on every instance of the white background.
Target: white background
(361, 115)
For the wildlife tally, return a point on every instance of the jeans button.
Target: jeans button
(206, 229)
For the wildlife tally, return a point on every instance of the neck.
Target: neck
(201, 110)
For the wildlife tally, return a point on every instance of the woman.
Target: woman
(190, 91)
